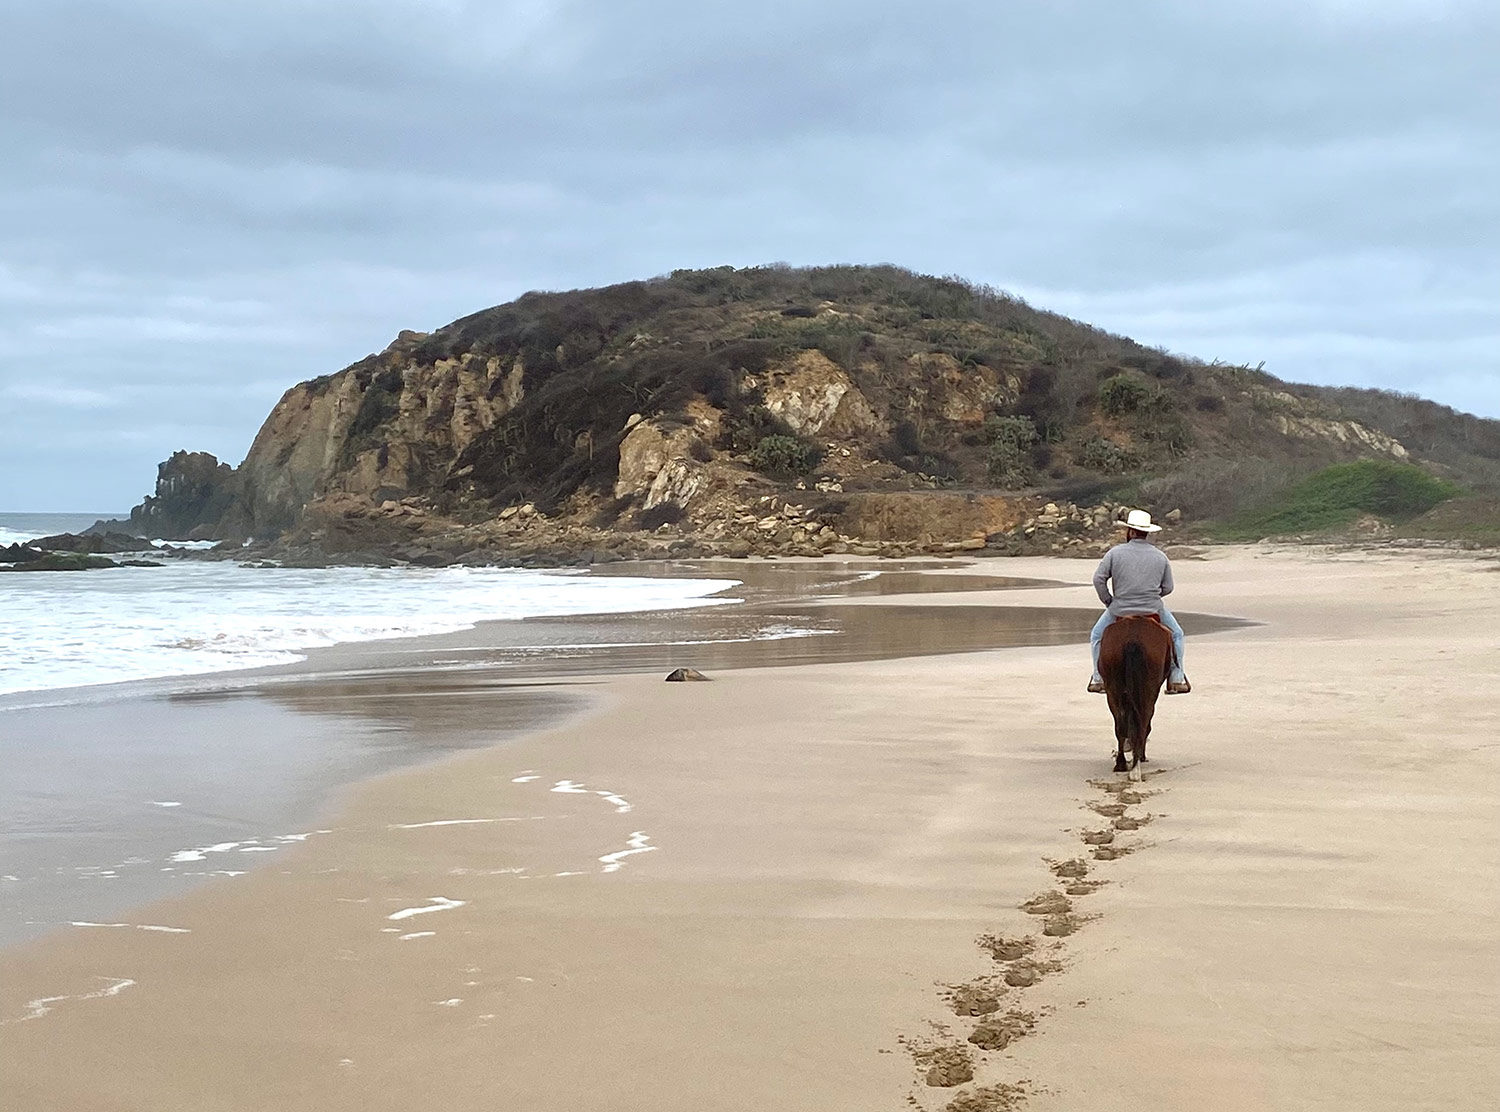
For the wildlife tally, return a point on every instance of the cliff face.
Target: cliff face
(385, 428)
(683, 400)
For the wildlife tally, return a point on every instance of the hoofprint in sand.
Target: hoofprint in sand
(850, 862)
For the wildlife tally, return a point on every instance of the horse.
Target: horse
(1135, 658)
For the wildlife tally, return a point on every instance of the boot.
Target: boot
(1179, 686)
(1096, 685)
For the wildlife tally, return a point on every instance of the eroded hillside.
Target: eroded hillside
(692, 401)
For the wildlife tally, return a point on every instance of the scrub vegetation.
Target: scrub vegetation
(1336, 496)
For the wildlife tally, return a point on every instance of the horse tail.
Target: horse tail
(1135, 671)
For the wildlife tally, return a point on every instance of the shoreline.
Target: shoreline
(809, 852)
(345, 714)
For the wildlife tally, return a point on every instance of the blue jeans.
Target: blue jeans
(1178, 675)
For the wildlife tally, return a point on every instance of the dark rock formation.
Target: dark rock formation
(91, 542)
(19, 553)
(61, 561)
(194, 494)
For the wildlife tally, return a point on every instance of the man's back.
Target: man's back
(1140, 575)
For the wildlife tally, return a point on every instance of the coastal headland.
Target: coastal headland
(855, 885)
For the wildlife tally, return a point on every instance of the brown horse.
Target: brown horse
(1134, 659)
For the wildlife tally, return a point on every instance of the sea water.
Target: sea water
(115, 796)
(72, 629)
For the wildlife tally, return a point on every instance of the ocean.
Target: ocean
(135, 768)
(75, 629)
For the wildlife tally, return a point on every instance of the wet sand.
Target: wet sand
(751, 893)
(119, 795)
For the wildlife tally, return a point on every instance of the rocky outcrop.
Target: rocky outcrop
(858, 409)
(194, 492)
(929, 517)
(817, 398)
(386, 428)
(90, 542)
(1350, 434)
(664, 460)
(965, 395)
(1307, 420)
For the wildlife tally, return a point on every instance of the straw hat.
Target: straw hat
(1140, 519)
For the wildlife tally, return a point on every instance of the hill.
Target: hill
(877, 404)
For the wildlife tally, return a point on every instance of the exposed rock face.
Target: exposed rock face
(935, 516)
(662, 460)
(815, 397)
(1350, 433)
(384, 428)
(965, 395)
(1308, 420)
(856, 410)
(193, 490)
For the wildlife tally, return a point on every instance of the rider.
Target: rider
(1141, 575)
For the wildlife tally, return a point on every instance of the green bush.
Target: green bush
(1167, 432)
(1123, 394)
(1335, 496)
(1012, 440)
(783, 456)
(1099, 453)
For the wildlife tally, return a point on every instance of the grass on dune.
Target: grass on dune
(1334, 497)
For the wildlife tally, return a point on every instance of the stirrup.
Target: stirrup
(1179, 687)
(1096, 687)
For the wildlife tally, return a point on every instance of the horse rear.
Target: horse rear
(1135, 657)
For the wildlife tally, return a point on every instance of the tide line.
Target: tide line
(638, 843)
(39, 1007)
(435, 903)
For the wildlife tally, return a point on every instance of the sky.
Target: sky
(203, 203)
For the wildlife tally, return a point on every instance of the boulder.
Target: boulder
(686, 675)
(19, 554)
(61, 561)
(91, 542)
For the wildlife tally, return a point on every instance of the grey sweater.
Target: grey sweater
(1142, 574)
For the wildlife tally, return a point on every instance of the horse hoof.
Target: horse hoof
(1135, 775)
(1120, 766)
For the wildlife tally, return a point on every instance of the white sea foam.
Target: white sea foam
(637, 843)
(135, 926)
(570, 787)
(39, 1007)
(183, 856)
(435, 903)
(416, 934)
(187, 546)
(70, 630)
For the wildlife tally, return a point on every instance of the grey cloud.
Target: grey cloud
(204, 204)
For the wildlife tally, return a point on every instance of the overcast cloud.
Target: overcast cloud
(204, 203)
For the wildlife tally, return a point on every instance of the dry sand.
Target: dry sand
(1307, 916)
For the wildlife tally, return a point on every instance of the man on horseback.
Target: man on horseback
(1140, 574)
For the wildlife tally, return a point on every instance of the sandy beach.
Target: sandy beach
(766, 892)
